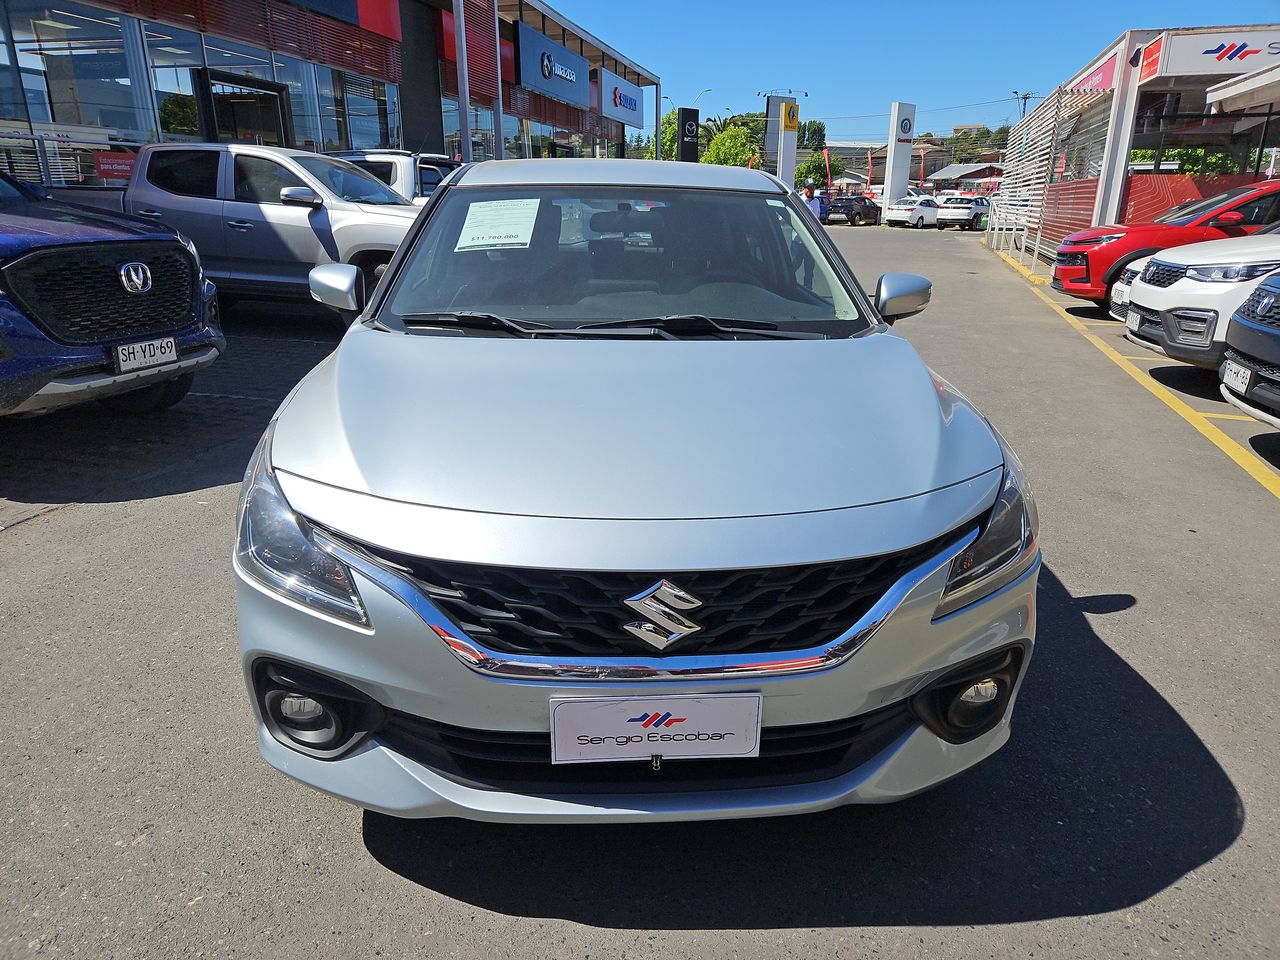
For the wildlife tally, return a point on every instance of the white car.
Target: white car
(1182, 301)
(1120, 289)
(963, 212)
(914, 211)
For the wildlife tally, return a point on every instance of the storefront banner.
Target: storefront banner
(1228, 52)
(549, 68)
(1101, 77)
(1151, 59)
(113, 168)
(621, 99)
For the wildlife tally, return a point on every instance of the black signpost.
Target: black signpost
(688, 120)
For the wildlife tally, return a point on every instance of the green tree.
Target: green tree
(178, 114)
(731, 147)
(814, 167)
(670, 133)
(812, 134)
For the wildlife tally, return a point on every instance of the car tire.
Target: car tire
(919, 223)
(855, 220)
(941, 226)
(149, 399)
(976, 223)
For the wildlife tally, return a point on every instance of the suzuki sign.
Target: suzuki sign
(620, 99)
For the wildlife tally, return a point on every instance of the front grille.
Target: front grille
(1146, 314)
(1072, 259)
(74, 293)
(563, 613)
(1128, 275)
(1162, 274)
(1251, 309)
(521, 762)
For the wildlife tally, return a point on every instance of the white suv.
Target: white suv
(1181, 302)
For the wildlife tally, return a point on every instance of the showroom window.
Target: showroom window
(172, 54)
(304, 100)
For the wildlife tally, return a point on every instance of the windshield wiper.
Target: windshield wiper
(476, 320)
(697, 323)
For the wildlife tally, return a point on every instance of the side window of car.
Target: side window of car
(1260, 210)
(259, 180)
(188, 173)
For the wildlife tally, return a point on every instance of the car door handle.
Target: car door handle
(148, 213)
(239, 224)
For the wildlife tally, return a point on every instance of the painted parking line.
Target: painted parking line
(1250, 463)
(1229, 416)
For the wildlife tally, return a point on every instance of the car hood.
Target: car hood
(405, 211)
(636, 429)
(1230, 250)
(1112, 228)
(40, 223)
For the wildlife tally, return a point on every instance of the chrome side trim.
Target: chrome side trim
(733, 666)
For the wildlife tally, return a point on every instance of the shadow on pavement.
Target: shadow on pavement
(1267, 446)
(1192, 381)
(87, 454)
(1103, 797)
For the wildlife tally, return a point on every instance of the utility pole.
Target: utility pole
(1023, 98)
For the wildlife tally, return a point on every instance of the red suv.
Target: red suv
(1089, 261)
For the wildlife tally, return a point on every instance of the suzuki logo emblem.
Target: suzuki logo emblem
(662, 604)
(135, 277)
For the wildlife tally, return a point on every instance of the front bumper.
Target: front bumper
(1073, 274)
(406, 668)
(1186, 320)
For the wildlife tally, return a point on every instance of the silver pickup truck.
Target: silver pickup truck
(262, 217)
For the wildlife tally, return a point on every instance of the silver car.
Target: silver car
(621, 501)
(963, 212)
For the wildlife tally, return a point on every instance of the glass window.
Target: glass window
(348, 181)
(623, 253)
(191, 173)
(259, 180)
(368, 122)
(482, 133)
(172, 55)
(384, 170)
(78, 72)
(429, 178)
(333, 111)
(449, 114)
(304, 103)
(13, 105)
(237, 58)
(1259, 210)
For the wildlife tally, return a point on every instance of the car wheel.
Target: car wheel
(941, 226)
(855, 220)
(919, 222)
(157, 396)
(977, 222)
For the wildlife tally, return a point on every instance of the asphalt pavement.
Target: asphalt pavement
(1133, 813)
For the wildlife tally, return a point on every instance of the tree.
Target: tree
(670, 132)
(178, 114)
(731, 147)
(812, 135)
(814, 167)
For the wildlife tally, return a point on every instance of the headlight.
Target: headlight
(1231, 272)
(1006, 548)
(278, 549)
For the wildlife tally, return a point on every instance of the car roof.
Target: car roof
(570, 171)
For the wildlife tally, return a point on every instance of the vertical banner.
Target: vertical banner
(788, 134)
(687, 146)
(897, 165)
(826, 156)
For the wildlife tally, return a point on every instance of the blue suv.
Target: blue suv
(97, 306)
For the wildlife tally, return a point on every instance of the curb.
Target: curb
(1027, 275)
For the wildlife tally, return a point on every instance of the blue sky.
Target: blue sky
(738, 48)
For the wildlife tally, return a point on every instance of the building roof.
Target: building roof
(1247, 91)
(955, 171)
(597, 52)
(572, 171)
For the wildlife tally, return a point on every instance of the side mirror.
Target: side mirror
(902, 294)
(338, 285)
(1231, 218)
(300, 197)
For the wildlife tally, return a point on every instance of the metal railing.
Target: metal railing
(64, 161)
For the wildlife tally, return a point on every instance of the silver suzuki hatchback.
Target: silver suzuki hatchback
(621, 501)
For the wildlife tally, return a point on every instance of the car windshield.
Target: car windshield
(906, 202)
(10, 191)
(958, 202)
(1184, 213)
(568, 256)
(348, 181)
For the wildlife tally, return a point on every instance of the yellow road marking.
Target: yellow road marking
(1149, 356)
(1248, 462)
(1229, 416)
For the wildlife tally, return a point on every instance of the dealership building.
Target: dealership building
(83, 84)
(1139, 128)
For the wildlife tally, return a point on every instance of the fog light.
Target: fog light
(297, 709)
(984, 691)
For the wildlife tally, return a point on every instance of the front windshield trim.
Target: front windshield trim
(379, 314)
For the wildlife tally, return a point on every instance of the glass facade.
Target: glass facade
(95, 83)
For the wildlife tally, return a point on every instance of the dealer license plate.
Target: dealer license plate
(602, 729)
(149, 353)
(1133, 320)
(1236, 377)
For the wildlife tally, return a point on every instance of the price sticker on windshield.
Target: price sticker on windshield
(498, 225)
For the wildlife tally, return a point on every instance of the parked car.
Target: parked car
(963, 212)
(413, 175)
(853, 210)
(262, 217)
(877, 193)
(97, 306)
(466, 589)
(1120, 289)
(1089, 261)
(1250, 371)
(1182, 301)
(913, 211)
